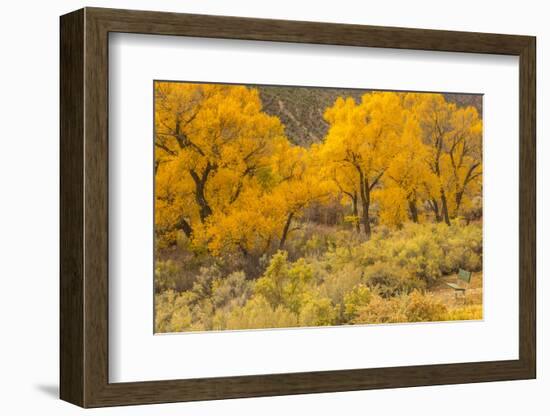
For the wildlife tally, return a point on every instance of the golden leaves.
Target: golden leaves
(228, 177)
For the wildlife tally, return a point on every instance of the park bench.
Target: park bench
(463, 275)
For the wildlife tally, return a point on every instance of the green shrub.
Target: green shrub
(257, 313)
(390, 280)
(380, 310)
(336, 284)
(422, 307)
(339, 279)
(203, 283)
(233, 290)
(169, 275)
(317, 311)
(414, 307)
(355, 300)
(422, 256)
(428, 251)
(172, 311)
(202, 312)
(315, 245)
(283, 283)
(166, 275)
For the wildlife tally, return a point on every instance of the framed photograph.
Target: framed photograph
(255, 207)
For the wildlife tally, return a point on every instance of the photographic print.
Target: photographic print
(284, 206)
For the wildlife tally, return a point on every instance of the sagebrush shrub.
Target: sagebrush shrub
(338, 283)
(317, 311)
(380, 310)
(284, 283)
(166, 275)
(356, 299)
(413, 307)
(172, 311)
(422, 307)
(257, 313)
(340, 279)
(234, 290)
(390, 280)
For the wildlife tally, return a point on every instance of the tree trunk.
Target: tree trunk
(285, 230)
(205, 211)
(459, 195)
(413, 210)
(356, 213)
(470, 175)
(200, 182)
(365, 201)
(185, 226)
(444, 208)
(435, 208)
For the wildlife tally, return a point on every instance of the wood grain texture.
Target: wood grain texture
(84, 207)
(527, 207)
(96, 208)
(162, 23)
(71, 213)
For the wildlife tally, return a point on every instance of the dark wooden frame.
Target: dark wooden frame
(84, 207)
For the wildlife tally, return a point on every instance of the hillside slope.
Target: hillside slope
(301, 109)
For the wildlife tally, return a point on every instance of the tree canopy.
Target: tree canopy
(228, 179)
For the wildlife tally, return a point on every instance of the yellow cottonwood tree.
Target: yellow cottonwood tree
(225, 173)
(299, 182)
(228, 178)
(453, 136)
(434, 114)
(346, 181)
(212, 141)
(363, 137)
(465, 156)
(407, 178)
(248, 226)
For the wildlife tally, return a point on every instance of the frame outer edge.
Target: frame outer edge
(528, 208)
(72, 343)
(293, 31)
(96, 209)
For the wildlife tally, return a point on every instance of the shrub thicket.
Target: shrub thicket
(335, 279)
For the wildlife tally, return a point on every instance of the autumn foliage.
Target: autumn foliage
(245, 220)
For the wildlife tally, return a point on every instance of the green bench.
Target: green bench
(463, 275)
